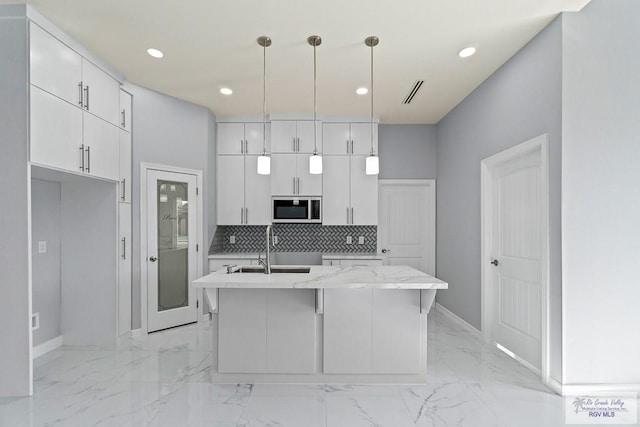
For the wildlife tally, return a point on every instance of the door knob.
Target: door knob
(384, 251)
(495, 262)
(153, 258)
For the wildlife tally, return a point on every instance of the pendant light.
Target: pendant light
(315, 161)
(372, 166)
(264, 161)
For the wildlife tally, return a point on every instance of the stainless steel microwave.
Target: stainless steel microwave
(296, 209)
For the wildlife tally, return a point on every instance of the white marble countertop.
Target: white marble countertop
(325, 277)
(351, 255)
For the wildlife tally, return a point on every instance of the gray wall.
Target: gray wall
(519, 101)
(45, 226)
(601, 193)
(15, 280)
(170, 132)
(407, 151)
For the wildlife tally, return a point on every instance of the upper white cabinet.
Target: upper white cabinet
(55, 67)
(350, 196)
(349, 138)
(241, 138)
(74, 110)
(290, 176)
(126, 105)
(291, 136)
(243, 195)
(100, 93)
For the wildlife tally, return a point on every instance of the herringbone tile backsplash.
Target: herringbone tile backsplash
(296, 238)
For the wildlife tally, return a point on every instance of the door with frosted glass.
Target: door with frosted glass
(171, 249)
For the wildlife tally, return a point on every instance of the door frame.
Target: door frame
(430, 185)
(144, 168)
(538, 144)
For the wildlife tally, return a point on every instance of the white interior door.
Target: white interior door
(407, 226)
(516, 270)
(171, 249)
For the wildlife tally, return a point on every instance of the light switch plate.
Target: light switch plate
(349, 240)
(361, 240)
(232, 240)
(42, 247)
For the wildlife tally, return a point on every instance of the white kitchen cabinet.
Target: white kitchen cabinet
(124, 269)
(101, 93)
(55, 67)
(291, 136)
(230, 190)
(243, 195)
(350, 196)
(241, 138)
(125, 166)
(290, 176)
(126, 106)
(351, 261)
(349, 138)
(102, 148)
(56, 132)
(266, 331)
(372, 331)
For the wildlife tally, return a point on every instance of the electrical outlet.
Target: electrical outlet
(275, 240)
(35, 321)
(232, 240)
(361, 240)
(349, 240)
(42, 247)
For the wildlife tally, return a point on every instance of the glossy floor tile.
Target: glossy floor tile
(163, 379)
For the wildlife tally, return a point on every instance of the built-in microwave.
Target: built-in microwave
(296, 209)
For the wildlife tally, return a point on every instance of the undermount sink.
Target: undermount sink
(274, 270)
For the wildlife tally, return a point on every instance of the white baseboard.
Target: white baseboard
(136, 332)
(585, 389)
(554, 385)
(47, 346)
(476, 333)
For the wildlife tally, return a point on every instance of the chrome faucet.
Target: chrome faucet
(267, 262)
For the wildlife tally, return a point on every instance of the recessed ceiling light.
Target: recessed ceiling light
(467, 52)
(226, 91)
(362, 91)
(155, 53)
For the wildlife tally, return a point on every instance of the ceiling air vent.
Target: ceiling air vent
(412, 93)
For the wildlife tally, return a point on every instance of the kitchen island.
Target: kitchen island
(330, 324)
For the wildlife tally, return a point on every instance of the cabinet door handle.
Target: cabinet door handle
(348, 216)
(241, 146)
(86, 97)
(246, 146)
(352, 216)
(298, 185)
(88, 159)
(124, 189)
(80, 94)
(352, 146)
(82, 157)
(124, 248)
(124, 119)
(347, 146)
(246, 215)
(298, 139)
(293, 144)
(241, 215)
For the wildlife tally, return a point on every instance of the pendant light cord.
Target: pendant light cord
(315, 102)
(372, 99)
(264, 99)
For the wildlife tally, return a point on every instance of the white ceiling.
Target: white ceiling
(209, 44)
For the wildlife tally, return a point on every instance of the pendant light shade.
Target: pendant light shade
(315, 161)
(264, 161)
(372, 166)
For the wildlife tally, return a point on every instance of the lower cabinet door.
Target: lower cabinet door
(347, 331)
(291, 331)
(242, 331)
(124, 269)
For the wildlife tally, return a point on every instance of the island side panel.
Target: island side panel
(242, 332)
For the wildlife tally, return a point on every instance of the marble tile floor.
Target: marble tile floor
(162, 380)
